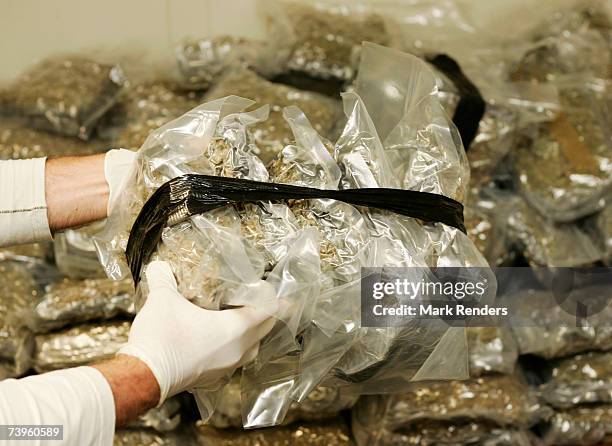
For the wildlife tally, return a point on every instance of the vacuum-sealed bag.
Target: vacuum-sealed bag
(66, 95)
(575, 148)
(329, 433)
(435, 433)
(545, 328)
(19, 293)
(492, 350)
(323, 39)
(143, 108)
(202, 61)
(271, 135)
(322, 403)
(580, 379)
(583, 426)
(75, 253)
(17, 141)
(568, 42)
(545, 243)
(78, 301)
(148, 437)
(80, 345)
(31, 253)
(602, 232)
(501, 400)
(228, 245)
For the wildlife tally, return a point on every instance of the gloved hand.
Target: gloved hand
(186, 346)
(117, 165)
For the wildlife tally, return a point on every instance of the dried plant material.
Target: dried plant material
(603, 223)
(564, 169)
(271, 135)
(587, 425)
(202, 61)
(145, 437)
(501, 400)
(66, 95)
(80, 345)
(330, 433)
(164, 418)
(19, 293)
(321, 404)
(580, 379)
(144, 108)
(547, 329)
(30, 252)
(77, 301)
(324, 41)
(368, 429)
(545, 243)
(491, 350)
(18, 141)
(496, 136)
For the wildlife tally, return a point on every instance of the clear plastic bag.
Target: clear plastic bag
(581, 379)
(78, 301)
(143, 108)
(435, 433)
(321, 404)
(323, 39)
(305, 258)
(492, 350)
(549, 331)
(576, 150)
(75, 253)
(545, 243)
(497, 401)
(19, 293)
(66, 95)
(601, 227)
(202, 61)
(164, 418)
(329, 433)
(28, 253)
(587, 425)
(80, 345)
(274, 133)
(147, 437)
(17, 141)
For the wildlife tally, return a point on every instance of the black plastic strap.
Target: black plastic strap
(190, 195)
(471, 107)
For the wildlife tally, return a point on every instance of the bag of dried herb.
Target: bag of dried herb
(323, 40)
(274, 133)
(579, 426)
(18, 141)
(575, 148)
(66, 95)
(478, 408)
(143, 108)
(202, 61)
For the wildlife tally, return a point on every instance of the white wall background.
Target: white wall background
(33, 29)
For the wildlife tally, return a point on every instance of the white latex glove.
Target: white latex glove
(186, 346)
(117, 165)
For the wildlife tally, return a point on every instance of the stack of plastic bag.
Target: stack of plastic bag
(580, 390)
(330, 433)
(496, 409)
(66, 95)
(20, 293)
(305, 257)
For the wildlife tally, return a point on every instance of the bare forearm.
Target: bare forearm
(76, 191)
(135, 389)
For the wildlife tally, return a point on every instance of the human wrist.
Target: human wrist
(134, 387)
(76, 191)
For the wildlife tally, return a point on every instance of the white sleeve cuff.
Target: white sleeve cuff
(23, 206)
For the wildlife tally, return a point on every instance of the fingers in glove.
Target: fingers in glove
(160, 276)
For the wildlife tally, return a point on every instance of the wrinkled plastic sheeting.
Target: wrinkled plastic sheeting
(309, 275)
